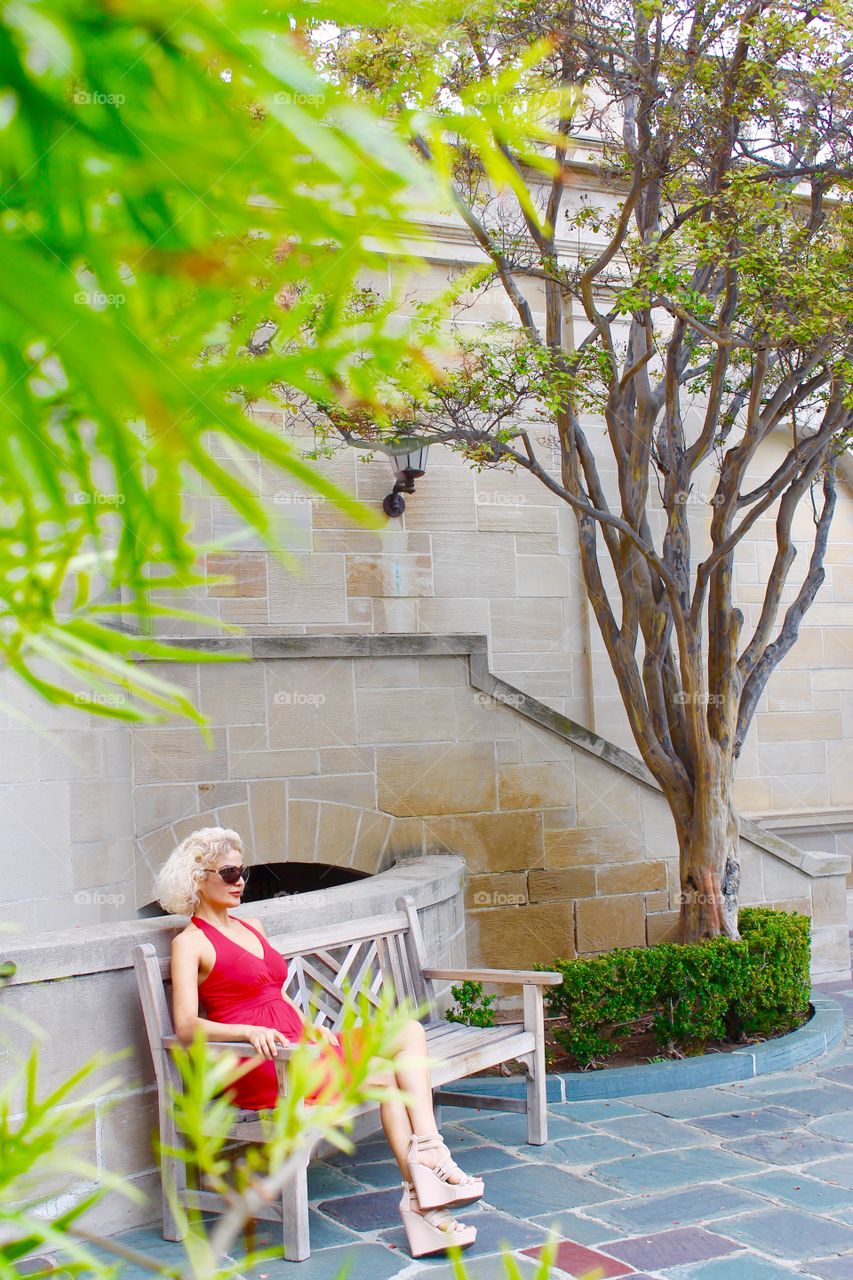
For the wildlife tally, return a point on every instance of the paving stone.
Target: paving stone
(841, 1075)
(362, 1262)
(820, 1101)
(575, 1226)
(577, 1260)
(383, 1173)
(494, 1231)
(661, 1170)
(680, 1208)
(833, 1268)
(839, 1169)
(323, 1234)
(654, 1131)
(788, 1233)
(586, 1112)
(510, 1128)
(761, 1120)
(741, 1266)
(783, 1148)
(325, 1181)
(797, 1189)
(839, 1126)
(536, 1189)
(685, 1104)
(593, 1149)
(489, 1268)
(671, 1248)
(368, 1211)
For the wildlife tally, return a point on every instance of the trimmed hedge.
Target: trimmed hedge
(695, 992)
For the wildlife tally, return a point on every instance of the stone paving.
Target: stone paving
(746, 1181)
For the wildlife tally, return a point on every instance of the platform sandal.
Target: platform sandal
(434, 1230)
(432, 1183)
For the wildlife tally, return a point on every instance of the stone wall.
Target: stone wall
(411, 744)
(79, 987)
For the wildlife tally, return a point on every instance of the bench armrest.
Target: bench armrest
(519, 977)
(241, 1047)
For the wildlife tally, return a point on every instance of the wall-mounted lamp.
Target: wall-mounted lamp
(409, 459)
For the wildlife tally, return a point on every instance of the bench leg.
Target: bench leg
(173, 1170)
(537, 1111)
(294, 1215)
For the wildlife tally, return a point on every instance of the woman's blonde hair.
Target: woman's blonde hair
(176, 883)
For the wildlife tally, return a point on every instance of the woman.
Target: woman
(227, 963)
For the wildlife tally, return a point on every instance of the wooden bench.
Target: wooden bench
(366, 954)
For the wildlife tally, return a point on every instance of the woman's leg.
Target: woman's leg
(400, 1120)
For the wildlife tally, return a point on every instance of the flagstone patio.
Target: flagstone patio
(744, 1181)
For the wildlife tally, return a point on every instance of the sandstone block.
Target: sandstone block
(338, 825)
(508, 889)
(178, 755)
(156, 805)
(591, 846)
(530, 626)
(370, 842)
(386, 673)
(798, 726)
(128, 1126)
(554, 886)
(268, 814)
(829, 900)
(491, 842)
(389, 575)
(405, 715)
(636, 877)
(605, 923)
(358, 789)
(471, 565)
(436, 778)
(518, 937)
(233, 693)
(605, 796)
(247, 571)
(316, 594)
(535, 786)
(311, 703)
(662, 927)
(101, 809)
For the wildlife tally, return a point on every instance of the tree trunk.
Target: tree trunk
(710, 861)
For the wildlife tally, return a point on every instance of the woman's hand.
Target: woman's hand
(265, 1040)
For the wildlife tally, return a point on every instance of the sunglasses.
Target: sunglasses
(232, 874)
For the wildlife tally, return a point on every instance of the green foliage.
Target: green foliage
(472, 1007)
(695, 993)
(173, 182)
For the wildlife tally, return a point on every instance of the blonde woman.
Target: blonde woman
(226, 964)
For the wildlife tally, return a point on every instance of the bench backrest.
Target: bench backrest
(365, 955)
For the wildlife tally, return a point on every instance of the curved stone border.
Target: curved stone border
(823, 1031)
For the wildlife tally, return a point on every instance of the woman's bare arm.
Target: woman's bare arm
(185, 969)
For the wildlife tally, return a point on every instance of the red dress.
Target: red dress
(244, 988)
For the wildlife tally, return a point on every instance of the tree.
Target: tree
(712, 276)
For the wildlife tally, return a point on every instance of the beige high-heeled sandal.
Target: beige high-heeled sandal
(434, 1230)
(432, 1182)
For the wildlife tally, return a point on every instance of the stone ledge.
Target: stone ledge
(384, 645)
(104, 947)
(824, 1029)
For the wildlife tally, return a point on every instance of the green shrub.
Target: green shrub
(693, 993)
(472, 1008)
